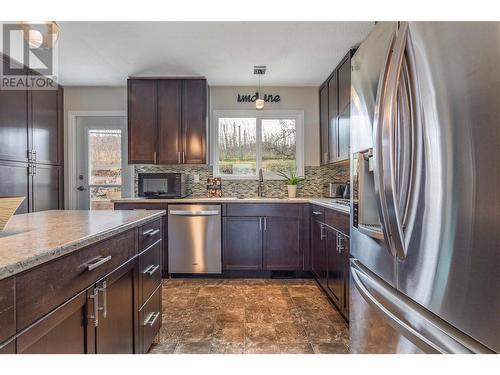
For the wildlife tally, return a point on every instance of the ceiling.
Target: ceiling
(296, 53)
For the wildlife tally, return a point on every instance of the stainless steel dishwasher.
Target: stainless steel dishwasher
(194, 238)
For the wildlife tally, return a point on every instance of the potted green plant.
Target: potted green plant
(292, 180)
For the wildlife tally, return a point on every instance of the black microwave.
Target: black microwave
(162, 185)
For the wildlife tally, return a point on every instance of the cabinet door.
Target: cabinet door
(344, 78)
(323, 123)
(318, 252)
(46, 123)
(335, 273)
(66, 330)
(169, 121)
(282, 243)
(242, 243)
(15, 181)
(194, 121)
(345, 254)
(116, 331)
(13, 125)
(142, 124)
(47, 188)
(333, 117)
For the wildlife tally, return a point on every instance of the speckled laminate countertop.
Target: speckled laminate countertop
(324, 202)
(31, 239)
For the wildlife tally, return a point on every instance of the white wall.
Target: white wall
(292, 98)
(89, 99)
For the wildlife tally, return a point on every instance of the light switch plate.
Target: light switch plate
(196, 178)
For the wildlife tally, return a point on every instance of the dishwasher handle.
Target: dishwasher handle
(194, 213)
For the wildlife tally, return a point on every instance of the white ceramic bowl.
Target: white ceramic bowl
(8, 205)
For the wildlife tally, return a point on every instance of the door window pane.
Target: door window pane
(279, 145)
(101, 197)
(237, 146)
(105, 154)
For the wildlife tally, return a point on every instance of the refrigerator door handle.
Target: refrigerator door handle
(424, 329)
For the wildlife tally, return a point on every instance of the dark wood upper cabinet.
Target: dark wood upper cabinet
(335, 113)
(46, 124)
(242, 243)
(282, 243)
(14, 125)
(142, 121)
(169, 121)
(323, 123)
(333, 119)
(194, 115)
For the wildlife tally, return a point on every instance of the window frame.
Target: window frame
(259, 115)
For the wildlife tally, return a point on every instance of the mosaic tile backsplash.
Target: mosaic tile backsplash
(316, 177)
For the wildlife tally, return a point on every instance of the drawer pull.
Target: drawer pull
(150, 321)
(97, 262)
(316, 212)
(95, 300)
(150, 232)
(151, 269)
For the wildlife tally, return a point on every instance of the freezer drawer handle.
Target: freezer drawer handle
(439, 337)
(194, 213)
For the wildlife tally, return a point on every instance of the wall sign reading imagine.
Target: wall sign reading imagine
(249, 98)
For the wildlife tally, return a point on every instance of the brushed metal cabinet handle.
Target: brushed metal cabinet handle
(150, 232)
(265, 223)
(97, 262)
(151, 319)
(179, 157)
(95, 298)
(316, 212)
(151, 269)
(104, 308)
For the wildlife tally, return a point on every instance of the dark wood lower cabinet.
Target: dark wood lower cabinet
(8, 347)
(318, 252)
(242, 243)
(335, 278)
(63, 331)
(115, 328)
(282, 243)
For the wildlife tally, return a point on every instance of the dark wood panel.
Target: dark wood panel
(345, 254)
(47, 188)
(14, 180)
(7, 308)
(242, 243)
(194, 121)
(150, 320)
(66, 276)
(63, 331)
(318, 252)
(265, 209)
(149, 271)
(323, 123)
(46, 123)
(142, 121)
(169, 121)
(8, 347)
(115, 331)
(14, 125)
(335, 277)
(338, 220)
(333, 114)
(344, 78)
(282, 248)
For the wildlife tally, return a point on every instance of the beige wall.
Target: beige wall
(292, 98)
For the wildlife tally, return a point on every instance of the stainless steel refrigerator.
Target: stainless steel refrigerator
(425, 172)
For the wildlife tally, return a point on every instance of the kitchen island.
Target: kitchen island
(80, 282)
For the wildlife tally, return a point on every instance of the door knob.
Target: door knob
(81, 188)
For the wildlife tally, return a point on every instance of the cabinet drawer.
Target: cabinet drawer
(337, 220)
(318, 213)
(150, 233)
(7, 309)
(264, 209)
(42, 289)
(150, 320)
(150, 271)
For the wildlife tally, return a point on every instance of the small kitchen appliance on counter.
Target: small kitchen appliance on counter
(335, 190)
(162, 185)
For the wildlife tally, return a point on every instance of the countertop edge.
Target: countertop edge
(70, 247)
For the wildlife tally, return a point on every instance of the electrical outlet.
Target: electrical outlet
(196, 178)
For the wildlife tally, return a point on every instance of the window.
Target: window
(245, 141)
(105, 167)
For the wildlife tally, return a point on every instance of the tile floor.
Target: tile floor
(249, 316)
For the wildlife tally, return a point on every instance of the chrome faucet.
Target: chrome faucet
(261, 184)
